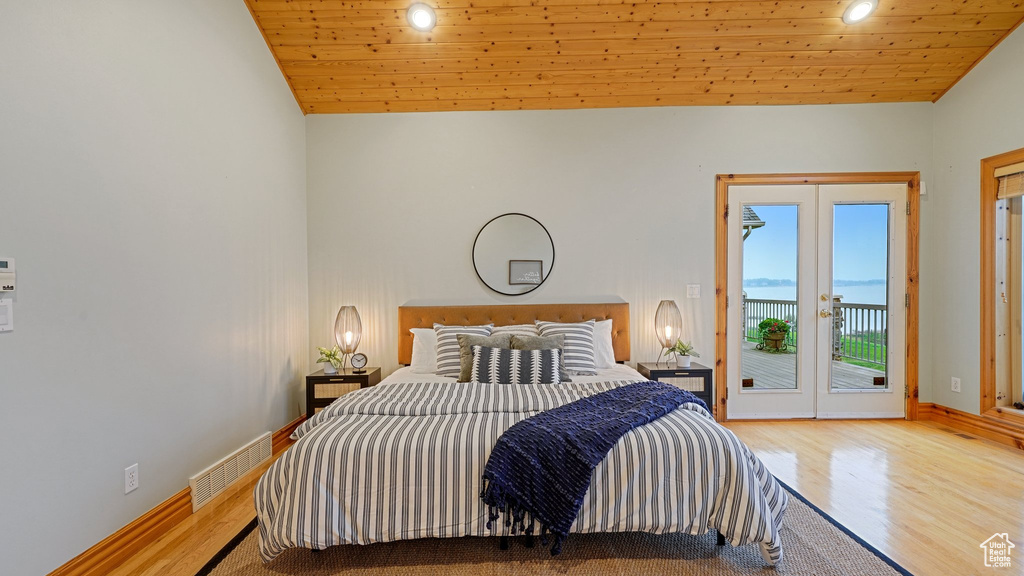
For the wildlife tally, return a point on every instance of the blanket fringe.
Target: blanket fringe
(517, 518)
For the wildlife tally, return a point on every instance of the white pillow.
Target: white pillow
(424, 351)
(604, 352)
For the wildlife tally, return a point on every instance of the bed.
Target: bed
(404, 459)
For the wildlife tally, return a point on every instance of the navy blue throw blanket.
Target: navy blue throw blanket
(540, 468)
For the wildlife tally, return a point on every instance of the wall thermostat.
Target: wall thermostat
(6, 274)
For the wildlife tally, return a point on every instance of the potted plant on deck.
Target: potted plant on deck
(681, 352)
(773, 334)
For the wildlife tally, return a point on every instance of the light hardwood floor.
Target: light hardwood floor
(916, 491)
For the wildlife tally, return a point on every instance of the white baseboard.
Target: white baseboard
(771, 416)
(859, 415)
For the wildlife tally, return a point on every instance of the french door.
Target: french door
(816, 309)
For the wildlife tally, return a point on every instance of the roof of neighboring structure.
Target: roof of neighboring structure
(751, 219)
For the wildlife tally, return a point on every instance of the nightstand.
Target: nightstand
(322, 389)
(696, 379)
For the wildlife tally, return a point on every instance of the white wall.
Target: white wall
(980, 117)
(628, 195)
(152, 190)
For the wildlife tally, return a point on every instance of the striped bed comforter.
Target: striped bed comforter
(405, 460)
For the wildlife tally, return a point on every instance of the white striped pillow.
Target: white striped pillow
(516, 329)
(504, 366)
(449, 360)
(579, 345)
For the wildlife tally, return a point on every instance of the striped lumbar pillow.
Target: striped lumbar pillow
(503, 366)
(579, 345)
(448, 357)
(517, 330)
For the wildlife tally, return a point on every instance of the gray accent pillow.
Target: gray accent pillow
(543, 343)
(466, 343)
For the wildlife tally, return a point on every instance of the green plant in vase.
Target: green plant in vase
(331, 359)
(681, 352)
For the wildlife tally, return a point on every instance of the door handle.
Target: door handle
(825, 313)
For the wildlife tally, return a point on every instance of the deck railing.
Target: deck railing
(859, 331)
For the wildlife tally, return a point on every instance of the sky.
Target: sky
(860, 242)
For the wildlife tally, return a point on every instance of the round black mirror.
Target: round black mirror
(513, 254)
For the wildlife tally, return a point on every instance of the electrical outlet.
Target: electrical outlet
(131, 478)
(955, 384)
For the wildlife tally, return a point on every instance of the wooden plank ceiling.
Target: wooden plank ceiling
(362, 56)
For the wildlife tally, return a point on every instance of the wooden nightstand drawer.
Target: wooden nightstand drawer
(696, 379)
(333, 379)
(333, 390)
(322, 389)
(692, 384)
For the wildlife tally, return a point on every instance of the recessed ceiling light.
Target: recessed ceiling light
(859, 10)
(421, 17)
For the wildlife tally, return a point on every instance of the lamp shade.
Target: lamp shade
(668, 323)
(348, 329)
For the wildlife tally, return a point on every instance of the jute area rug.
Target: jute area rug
(813, 544)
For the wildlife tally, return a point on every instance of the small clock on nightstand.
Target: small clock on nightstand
(358, 363)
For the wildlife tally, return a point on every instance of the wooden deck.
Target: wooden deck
(778, 371)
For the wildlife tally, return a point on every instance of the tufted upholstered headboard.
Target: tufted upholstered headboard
(504, 315)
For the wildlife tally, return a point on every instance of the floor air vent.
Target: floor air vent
(216, 478)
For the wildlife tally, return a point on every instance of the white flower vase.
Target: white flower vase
(329, 368)
(682, 361)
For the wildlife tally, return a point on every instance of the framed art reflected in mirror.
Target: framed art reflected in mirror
(525, 272)
(513, 254)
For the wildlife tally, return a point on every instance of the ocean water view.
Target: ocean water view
(867, 294)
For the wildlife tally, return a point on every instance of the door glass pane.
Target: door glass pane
(768, 355)
(860, 272)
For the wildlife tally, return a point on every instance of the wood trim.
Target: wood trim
(829, 178)
(987, 338)
(913, 294)
(721, 294)
(282, 438)
(277, 59)
(978, 61)
(722, 183)
(121, 545)
(990, 428)
(115, 549)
